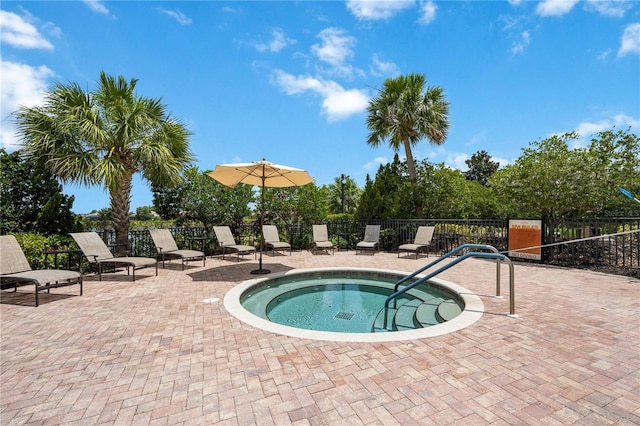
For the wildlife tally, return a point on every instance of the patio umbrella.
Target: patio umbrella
(262, 174)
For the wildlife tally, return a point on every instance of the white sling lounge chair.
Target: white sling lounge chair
(228, 243)
(15, 269)
(168, 249)
(321, 239)
(97, 253)
(423, 239)
(272, 239)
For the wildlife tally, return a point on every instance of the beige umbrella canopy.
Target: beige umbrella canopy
(262, 174)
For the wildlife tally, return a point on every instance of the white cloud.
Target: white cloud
(16, 31)
(457, 160)
(630, 42)
(53, 30)
(380, 68)
(97, 6)
(427, 12)
(180, 17)
(374, 164)
(621, 120)
(278, 42)
(337, 103)
(604, 55)
(555, 7)
(518, 47)
(502, 161)
(476, 139)
(377, 9)
(515, 2)
(512, 22)
(454, 159)
(614, 8)
(336, 48)
(20, 85)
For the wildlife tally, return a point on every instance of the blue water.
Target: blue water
(347, 308)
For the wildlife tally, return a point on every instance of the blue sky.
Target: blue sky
(290, 81)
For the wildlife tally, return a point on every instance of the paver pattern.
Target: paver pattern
(153, 352)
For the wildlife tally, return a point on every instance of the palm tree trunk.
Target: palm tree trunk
(410, 163)
(120, 204)
(411, 166)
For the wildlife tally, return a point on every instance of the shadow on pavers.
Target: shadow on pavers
(237, 272)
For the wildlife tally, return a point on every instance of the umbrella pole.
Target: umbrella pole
(260, 270)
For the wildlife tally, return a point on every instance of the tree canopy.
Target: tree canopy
(404, 112)
(340, 191)
(31, 199)
(481, 167)
(104, 137)
(203, 200)
(552, 178)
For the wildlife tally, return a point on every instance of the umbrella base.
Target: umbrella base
(260, 271)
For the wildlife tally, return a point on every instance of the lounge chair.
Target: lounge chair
(15, 269)
(97, 253)
(424, 237)
(272, 239)
(321, 239)
(371, 239)
(168, 249)
(228, 243)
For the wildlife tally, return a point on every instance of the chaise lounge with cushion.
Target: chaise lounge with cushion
(15, 269)
(97, 253)
(168, 249)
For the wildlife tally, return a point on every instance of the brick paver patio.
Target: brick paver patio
(153, 352)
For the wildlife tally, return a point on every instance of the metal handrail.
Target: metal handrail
(497, 256)
(451, 253)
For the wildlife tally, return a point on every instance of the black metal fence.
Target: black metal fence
(596, 249)
(605, 244)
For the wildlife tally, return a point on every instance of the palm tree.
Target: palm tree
(404, 113)
(343, 192)
(104, 138)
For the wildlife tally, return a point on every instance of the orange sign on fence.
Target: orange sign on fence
(525, 239)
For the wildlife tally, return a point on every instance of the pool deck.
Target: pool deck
(160, 351)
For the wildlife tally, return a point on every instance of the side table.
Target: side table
(70, 255)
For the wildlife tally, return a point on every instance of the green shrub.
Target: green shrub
(34, 246)
(340, 216)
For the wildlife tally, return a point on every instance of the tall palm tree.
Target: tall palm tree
(104, 138)
(404, 113)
